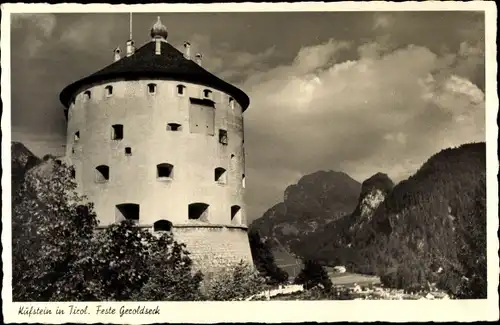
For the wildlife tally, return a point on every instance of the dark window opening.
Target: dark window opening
(152, 88)
(220, 175)
(207, 93)
(173, 127)
(231, 102)
(117, 132)
(232, 156)
(102, 174)
(162, 225)
(72, 150)
(235, 211)
(223, 137)
(204, 102)
(128, 151)
(77, 136)
(198, 211)
(164, 170)
(180, 89)
(109, 90)
(73, 172)
(127, 211)
(87, 95)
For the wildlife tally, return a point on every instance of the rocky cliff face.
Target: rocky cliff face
(316, 200)
(374, 191)
(343, 232)
(22, 160)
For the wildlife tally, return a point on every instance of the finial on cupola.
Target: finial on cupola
(159, 30)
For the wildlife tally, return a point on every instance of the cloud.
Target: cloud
(387, 112)
(230, 64)
(87, 33)
(382, 21)
(37, 29)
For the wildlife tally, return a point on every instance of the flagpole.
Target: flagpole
(130, 19)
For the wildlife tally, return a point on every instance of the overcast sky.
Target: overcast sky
(355, 92)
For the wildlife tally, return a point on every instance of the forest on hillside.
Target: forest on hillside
(431, 228)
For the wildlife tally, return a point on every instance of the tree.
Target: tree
(312, 275)
(52, 228)
(59, 256)
(472, 253)
(237, 282)
(263, 259)
(117, 266)
(170, 276)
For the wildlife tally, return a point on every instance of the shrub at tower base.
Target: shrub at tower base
(59, 256)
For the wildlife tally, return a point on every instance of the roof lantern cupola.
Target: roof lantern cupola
(159, 31)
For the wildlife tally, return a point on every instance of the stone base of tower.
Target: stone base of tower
(214, 247)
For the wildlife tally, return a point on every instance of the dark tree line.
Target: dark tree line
(430, 229)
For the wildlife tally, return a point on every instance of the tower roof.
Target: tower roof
(170, 64)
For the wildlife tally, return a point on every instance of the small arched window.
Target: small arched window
(207, 93)
(77, 136)
(236, 213)
(162, 225)
(86, 95)
(152, 89)
(174, 127)
(220, 175)
(109, 91)
(181, 90)
(127, 211)
(231, 102)
(164, 171)
(101, 174)
(243, 181)
(198, 211)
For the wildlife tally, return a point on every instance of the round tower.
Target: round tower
(157, 139)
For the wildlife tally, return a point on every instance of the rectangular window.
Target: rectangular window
(117, 132)
(223, 136)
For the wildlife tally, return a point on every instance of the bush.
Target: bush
(313, 274)
(235, 283)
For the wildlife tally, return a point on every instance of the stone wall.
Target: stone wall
(214, 247)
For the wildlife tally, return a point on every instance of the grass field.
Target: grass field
(292, 266)
(351, 278)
